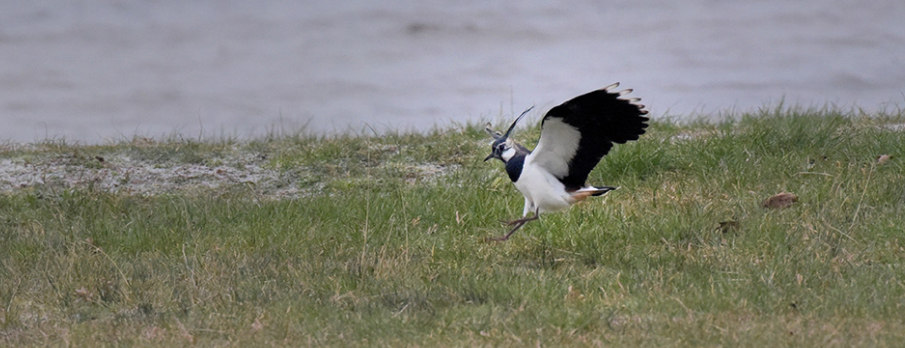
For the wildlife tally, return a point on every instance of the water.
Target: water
(94, 70)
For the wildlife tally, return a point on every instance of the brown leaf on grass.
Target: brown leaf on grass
(882, 159)
(780, 200)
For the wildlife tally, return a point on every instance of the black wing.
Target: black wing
(579, 132)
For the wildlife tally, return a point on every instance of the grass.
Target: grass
(385, 245)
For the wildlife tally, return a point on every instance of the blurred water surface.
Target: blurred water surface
(94, 70)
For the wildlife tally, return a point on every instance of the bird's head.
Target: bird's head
(503, 148)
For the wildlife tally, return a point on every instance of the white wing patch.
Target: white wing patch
(557, 145)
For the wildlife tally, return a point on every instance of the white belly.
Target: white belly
(543, 190)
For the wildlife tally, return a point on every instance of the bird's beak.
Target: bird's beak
(488, 157)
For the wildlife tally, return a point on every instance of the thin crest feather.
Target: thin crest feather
(511, 127)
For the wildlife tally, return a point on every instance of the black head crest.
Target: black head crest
(497, 135)
(509, 131)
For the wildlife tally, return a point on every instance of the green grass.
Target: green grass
(382, 252)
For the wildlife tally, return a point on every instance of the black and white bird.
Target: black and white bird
(574, 137)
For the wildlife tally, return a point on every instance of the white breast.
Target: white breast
(542, 188)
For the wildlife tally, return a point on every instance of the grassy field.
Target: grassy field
(379, 241)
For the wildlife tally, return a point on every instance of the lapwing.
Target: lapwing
(574, 137)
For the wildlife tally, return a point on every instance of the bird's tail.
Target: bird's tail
(599, 191)
(589, 191)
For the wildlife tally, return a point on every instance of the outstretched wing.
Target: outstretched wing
(578, 133)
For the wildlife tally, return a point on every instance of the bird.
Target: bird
(575, 136)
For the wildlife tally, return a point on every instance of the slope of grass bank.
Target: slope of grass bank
(378, 241)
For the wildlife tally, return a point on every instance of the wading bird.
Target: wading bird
(574, 137)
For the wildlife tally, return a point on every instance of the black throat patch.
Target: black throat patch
(514, 166)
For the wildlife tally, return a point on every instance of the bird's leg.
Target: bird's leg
(521, 221)
(518, 224)
(529, 207)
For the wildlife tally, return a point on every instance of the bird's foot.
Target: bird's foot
(518, 223)
(512, 222)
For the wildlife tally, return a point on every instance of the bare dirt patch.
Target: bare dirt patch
(122, 174)
(130, 173)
